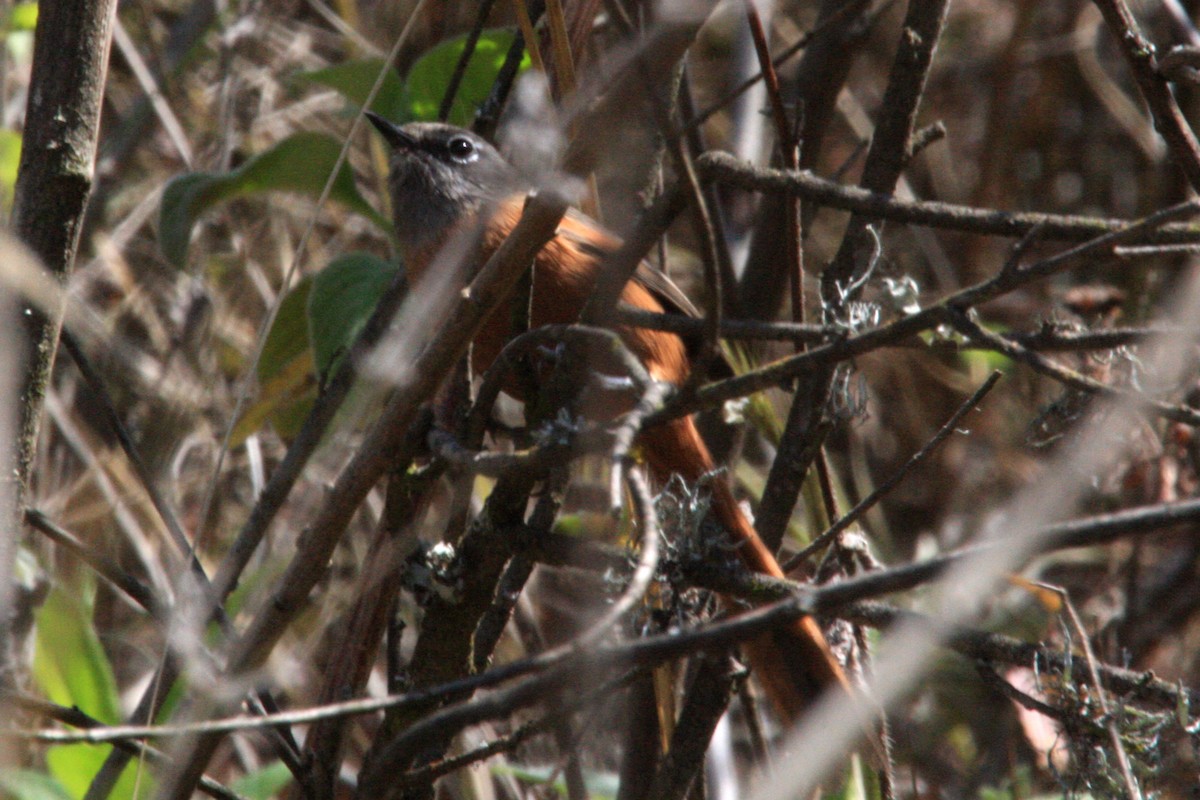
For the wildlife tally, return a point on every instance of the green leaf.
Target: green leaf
(429, 77)
(343, 296)
(985, 362)
(420, 95)
(75, 765)
(288, 336)
(10, 158)
(600, 785)
(23, 17)
(354, 80)
(72, 669)
(287, 382)
(69, 664)
(264, 783)
(316, 325)
(25, 784)
(300, 163)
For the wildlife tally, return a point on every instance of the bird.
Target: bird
(445, 180)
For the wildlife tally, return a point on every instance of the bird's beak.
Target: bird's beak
(392, 132)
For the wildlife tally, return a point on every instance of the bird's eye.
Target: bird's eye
(461, 148)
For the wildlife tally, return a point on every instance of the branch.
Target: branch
(998, 648)
(868, 502)
(891, 143)
(716, 678)
(129, 745)
(844, 598)
(726, 169)
(54, 179)
(1007, 279)
(376, 778)
(1069, 377)
(1168, 119)
(104, 566)
(384, 445)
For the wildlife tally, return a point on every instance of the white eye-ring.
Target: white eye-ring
(462, 149)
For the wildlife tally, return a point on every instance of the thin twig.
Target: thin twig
(435, 726)
(430, 772)
(777, 61)
(464, 58)
(111, 418)
(619, 267)
(243, 391)
(1110, 723)
(868, 502)
(789, 152)
(525, 24)
(1069, 377)
(844, 597)
(1006, 280)
(630, 426)
(382, 451)
(136, 749)
(1047, 338)
(105, 567)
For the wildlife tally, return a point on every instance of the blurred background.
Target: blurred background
(1039, 113)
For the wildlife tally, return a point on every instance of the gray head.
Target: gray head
(440, 174)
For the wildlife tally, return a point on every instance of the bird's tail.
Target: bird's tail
(793, 662)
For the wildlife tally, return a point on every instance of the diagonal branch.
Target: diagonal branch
(1168, 118)
(385, 445)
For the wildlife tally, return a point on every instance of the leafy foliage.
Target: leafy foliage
(301, 163)
(342, 297)
(72, 669)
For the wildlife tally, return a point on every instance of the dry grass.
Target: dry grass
(1041, 114)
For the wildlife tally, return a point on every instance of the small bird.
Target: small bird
(442, 179)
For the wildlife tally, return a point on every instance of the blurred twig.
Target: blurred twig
(868, 502)
(206, 507)
(1048, 338)
(135, 749)
(416, 738)
(430, 772)
(842, 598)
(105, 567)
(383, 449)
(1132, 792)
(356, 640)
(715, 679)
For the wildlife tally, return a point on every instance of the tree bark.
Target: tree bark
(54, 179)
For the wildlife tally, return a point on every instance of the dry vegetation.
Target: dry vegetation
(1065, 654)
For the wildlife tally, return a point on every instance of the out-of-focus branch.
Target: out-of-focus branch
(842, 599)
(383, 445)
(356, 640)
(868, 502)
(136, 749)
(713, 684)
(1168, 118)
(813, 86)
(1047, 338)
